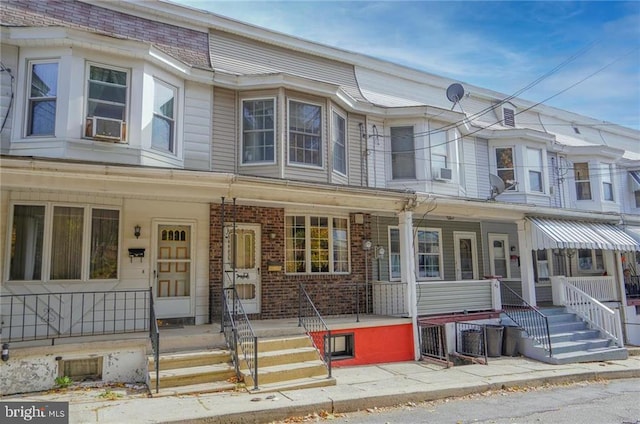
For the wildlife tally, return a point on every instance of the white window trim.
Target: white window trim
(323, 137)
(530, 168)
(174, 136)
(127, 109)
(346, 142)
(27, 98)
(275, 131)
(389, 229)
(392, 179)
(47, 243)
(492, 266)
(494, 160)
(607, 173)
(307, 244)
(440, 254)
(457, 235)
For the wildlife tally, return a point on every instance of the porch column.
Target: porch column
(407, 272)
(527, 277)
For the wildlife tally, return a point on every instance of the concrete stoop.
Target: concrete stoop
(287, 363)
(182, 373)
(572, 341)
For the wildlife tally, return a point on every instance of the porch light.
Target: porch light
(136, 231)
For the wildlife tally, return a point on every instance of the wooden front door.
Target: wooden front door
(243, 270)
(173, 271)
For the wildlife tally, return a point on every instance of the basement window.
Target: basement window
(342, 346)
(85, 369)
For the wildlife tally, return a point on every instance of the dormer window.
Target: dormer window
(43, 92)
(107, 96)
(509, 117)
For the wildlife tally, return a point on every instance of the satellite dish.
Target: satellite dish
(455, 92)
(497, 186)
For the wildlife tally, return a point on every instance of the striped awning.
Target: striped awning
(551, 233)
(634, 232)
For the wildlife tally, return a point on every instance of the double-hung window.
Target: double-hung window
(607, 181)
(505, 166)
(403, 162)
(107, 99)
(439, 152)
(590, 260)
(258, 131)
(339, 144)
(316, 244)
(53, 242)
(305, 134)
(43, 92)
(164, 112)
(583, 183)
(428, 246)
(534, 164)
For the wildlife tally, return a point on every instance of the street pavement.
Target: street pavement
(357, 388)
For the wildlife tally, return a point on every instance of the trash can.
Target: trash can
(510, 342)
(494, 340)
(472, 342)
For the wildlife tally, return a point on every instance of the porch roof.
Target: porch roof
(550, 233)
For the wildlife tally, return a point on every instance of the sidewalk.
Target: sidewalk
(357, 388)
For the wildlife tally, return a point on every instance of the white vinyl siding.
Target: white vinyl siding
(223, 139)
(197, 126)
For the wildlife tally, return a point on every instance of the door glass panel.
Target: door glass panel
(466, 259)
(174, 261)
(499, 258)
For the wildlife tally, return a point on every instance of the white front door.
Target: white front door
(174, 272)
(499, 255)
(243, 270)
(466, 256)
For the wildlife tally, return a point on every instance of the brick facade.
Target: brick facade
(332, 294)
(187, 45)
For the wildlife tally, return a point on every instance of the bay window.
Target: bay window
(163, 124)
(505, 166)
(403, 162)
(583, 183)
(534, 164)
(258, 131)
(316, 244)
(339, 144)
(607, 181)
(43, 92)
(107, 98)
(439, 152)
(305, 133)
(48, 242)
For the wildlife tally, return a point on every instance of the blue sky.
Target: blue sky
(503, 46)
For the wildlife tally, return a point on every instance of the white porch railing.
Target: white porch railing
(601, 288)
(597, 315)
(437, 297)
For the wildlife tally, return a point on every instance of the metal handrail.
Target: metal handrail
(49, 316)
(315, 327)
(154, 335)
(238, 333)
(534, 322)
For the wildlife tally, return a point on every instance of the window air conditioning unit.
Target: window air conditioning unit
(444, 174)
(106, 129)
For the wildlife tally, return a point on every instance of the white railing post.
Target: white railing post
(496, 299)
(557, 289)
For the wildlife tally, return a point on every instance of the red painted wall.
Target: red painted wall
(375, 345)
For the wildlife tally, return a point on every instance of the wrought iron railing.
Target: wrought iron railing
(314, 325)
(154, 335)
(532, 321)
(433, 342)
(49, 316)
(239, 334)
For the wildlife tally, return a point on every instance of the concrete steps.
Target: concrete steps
(287, 363)
(192, 372)
(571, 341)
